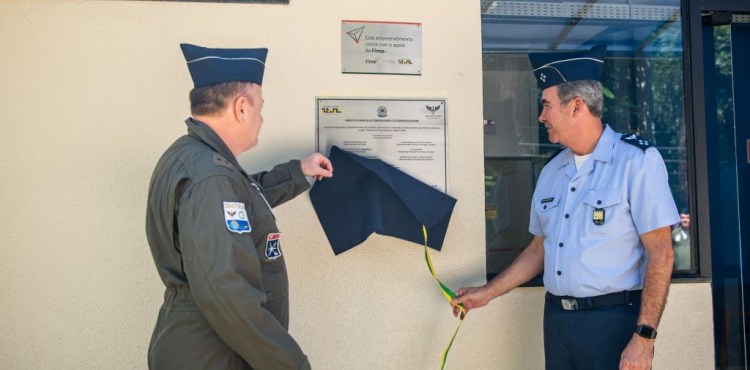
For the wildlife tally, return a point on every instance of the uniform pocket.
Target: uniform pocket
(546, 208)
(601, 208)
(546, 204)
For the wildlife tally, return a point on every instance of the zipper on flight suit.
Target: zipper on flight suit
(257, 188)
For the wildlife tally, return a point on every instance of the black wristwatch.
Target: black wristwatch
(646, 331)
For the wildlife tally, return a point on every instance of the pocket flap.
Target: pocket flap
(602, 198)
(544, 204)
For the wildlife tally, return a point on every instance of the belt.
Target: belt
(625, 298)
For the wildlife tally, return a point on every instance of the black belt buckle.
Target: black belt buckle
(569, 304)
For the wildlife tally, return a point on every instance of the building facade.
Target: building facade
(93, 91)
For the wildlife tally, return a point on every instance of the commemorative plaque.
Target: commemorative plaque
(381, 47)
(410, 134)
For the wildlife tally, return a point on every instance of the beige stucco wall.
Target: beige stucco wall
(92, 92)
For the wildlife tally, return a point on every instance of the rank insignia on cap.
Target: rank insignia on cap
(236, 217)
(551, 69)
(273, 246)
(599, 216)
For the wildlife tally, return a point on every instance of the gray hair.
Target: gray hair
(212, 99)
(590, 91)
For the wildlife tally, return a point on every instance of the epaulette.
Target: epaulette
(221, 161)
(554, 154)
(636, 140)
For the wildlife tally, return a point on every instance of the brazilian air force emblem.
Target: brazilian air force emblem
(236, 217)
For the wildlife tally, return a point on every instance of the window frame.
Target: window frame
(696, 150)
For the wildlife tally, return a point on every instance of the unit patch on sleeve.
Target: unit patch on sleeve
(236, 217)
(273, 246)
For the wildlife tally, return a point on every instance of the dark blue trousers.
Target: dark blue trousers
(587, 339)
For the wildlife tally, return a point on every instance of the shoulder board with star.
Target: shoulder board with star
(554, 155)
(636, 140)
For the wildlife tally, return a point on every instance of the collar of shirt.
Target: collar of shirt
(200, 131)
(602, 153)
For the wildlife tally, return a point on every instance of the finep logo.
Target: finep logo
(356, 34)
(405, 61)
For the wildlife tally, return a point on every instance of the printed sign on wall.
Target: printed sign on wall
(381, 47)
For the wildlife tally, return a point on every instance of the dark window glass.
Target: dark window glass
(643, 88)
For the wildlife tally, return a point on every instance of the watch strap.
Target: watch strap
(646, 331)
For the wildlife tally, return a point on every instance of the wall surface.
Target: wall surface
(91, 94)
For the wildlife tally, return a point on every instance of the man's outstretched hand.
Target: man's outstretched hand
(471, 298)
(316, 166)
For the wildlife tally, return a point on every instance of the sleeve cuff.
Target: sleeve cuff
(651, 227)
(298, 178)
(536, 232)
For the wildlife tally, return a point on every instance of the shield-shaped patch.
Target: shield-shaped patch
(236, 217)
(273, 246)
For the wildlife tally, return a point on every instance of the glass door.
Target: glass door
(726, 57)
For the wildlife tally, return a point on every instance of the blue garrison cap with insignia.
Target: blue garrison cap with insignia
(370, 196)
(551, 69)
(215, 66)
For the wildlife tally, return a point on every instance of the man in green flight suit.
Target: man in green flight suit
(212, 231)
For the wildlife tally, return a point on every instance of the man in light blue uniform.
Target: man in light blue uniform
(601, 216)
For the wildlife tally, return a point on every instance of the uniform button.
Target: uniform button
(573, 189)
(560, 245)
(567, 215)
(545, 207)
(598, 202)
(559, 273)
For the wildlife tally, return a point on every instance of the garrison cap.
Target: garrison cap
(369, 195)
(552, 69)
(215, 66)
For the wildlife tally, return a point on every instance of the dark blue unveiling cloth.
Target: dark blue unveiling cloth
(368, 195)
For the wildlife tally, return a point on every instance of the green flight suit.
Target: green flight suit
(226, 305)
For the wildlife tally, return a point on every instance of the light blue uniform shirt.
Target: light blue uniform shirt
(582, 259)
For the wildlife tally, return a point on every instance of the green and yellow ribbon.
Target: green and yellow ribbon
(449, 295)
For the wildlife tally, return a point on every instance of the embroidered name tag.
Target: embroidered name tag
(548, 200)
(236, 217)
(273, 246)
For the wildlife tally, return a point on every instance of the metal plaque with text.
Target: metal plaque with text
(381, 47)
(410, 134)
